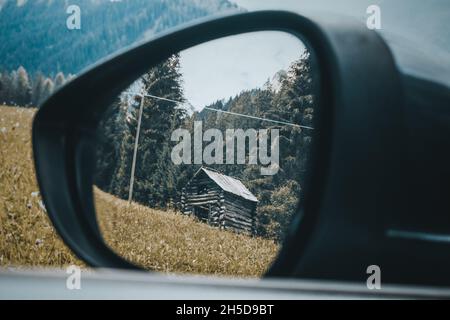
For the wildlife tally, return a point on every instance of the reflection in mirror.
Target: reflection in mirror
(201, 161)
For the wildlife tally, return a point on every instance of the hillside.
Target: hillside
(26, 234)
(170, 242)
(155, 239)
(34, 34)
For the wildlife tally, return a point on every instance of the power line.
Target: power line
(259, 118)
(223, 111)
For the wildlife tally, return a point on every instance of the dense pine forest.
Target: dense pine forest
(158, 182)
(33, 33)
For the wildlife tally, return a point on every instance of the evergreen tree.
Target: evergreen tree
(155, 175)
(38, 88)
(47, 90)
(22, 87)
(6, 92)
(293, 103)
(59, 80)
(110, 134)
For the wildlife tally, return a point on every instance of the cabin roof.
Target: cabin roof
(229, 184)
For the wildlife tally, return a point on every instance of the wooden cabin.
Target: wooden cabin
(220, 201)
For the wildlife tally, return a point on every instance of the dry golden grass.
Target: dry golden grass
(27, 237)
(170, 242)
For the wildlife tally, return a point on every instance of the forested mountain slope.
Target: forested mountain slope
(33, 34)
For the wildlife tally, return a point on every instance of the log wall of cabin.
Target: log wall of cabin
(239, 214)
(212, 200)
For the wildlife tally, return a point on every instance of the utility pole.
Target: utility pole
(136, 142)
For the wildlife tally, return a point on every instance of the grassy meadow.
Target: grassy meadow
(158, 240)
(169, 242)
(27, 237)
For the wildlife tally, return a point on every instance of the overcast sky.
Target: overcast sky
(223, 68)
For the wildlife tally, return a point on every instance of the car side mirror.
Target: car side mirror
(338, 227)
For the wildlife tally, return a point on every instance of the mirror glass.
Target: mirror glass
(201, 162)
